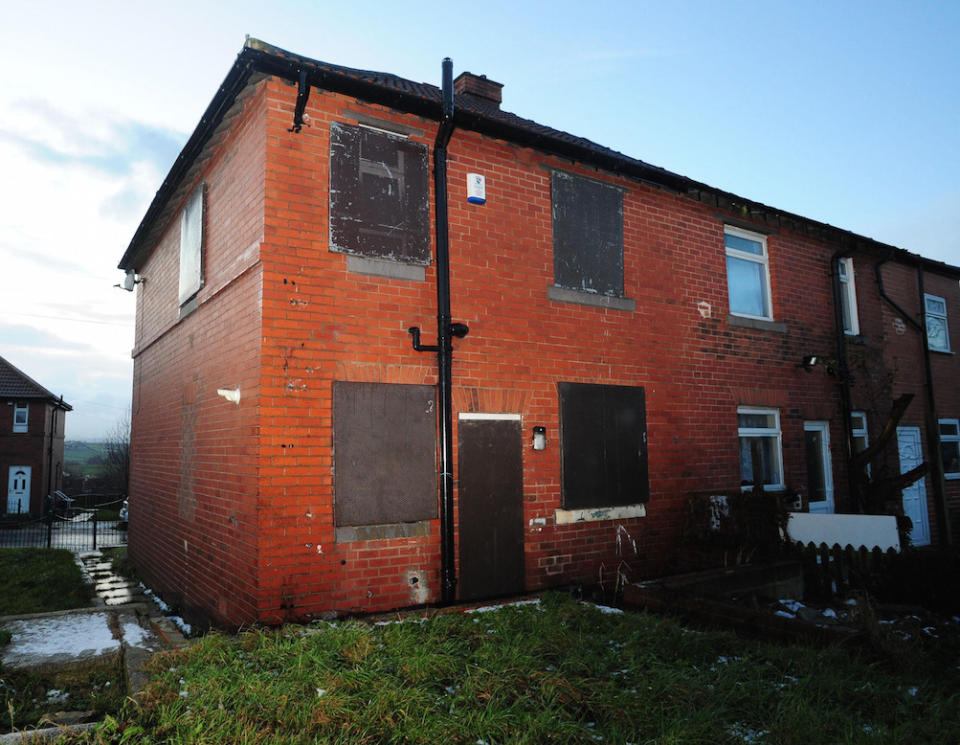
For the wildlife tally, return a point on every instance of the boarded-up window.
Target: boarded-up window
(587, 235)
(191, 246)
(378, 195)
(604, 445)
(384, 439)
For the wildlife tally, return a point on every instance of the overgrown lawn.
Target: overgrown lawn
(38, 580)
(556, 672)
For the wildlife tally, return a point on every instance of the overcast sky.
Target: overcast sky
(844, 112)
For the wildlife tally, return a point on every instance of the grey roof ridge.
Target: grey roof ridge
(423, 99)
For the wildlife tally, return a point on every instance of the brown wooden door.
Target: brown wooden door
(491, 508)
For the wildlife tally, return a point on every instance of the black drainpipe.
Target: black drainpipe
(932, 424)
(445, 333)
(853, 479)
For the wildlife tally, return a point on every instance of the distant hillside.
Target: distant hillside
(84, 458)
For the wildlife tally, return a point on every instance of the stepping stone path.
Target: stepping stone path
(111, 588)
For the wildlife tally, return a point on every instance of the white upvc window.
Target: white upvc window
(748, 273)
(950, 447)
(21, 416)
(191, 246)
(848, 297)
(758, 431)
(858, 428)
(935, 319)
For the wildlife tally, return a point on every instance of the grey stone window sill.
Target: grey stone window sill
(595, 514)
(385, 268)
(563, 295)
(756, 323)
(350, 533)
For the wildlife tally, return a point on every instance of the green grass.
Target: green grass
(560, 672)
(38, 580)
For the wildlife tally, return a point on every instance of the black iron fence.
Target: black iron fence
(67, 525)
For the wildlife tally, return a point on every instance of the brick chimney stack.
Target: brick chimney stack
(478, 86)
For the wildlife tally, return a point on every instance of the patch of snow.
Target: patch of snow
(747, 734)
(185, 628)
(829, 613)
(320, 692)
(133, 634)
(70, 635)
(488, 608)
(56, 696)
(604, 608)
(912, 690)
(791, 605)
(784, 613)
(851, 601)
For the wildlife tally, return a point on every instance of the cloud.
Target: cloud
(97, 142)
(28, 336)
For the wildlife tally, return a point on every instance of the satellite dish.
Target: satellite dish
(130, 281)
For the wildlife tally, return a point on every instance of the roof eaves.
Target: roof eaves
(423, 99)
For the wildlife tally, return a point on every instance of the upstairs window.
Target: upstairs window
(21, 417)
(935, 319)
(191, 246)
(848, 297)
(603, 432)
(587, 235)
(950, 447)
(379, 186)
(759, 434)
(748, 273)
(858, 429)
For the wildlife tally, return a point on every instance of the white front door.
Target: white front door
(816, 440)
(915, 495)
(18, 490)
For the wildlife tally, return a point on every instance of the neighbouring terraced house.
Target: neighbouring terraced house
(396, 345)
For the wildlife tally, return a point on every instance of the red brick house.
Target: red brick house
(605, 338)
(31, 441)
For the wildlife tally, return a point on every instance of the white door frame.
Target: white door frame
(827, 505)
(910, 452)
(18, 492)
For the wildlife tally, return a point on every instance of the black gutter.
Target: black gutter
(445, 338)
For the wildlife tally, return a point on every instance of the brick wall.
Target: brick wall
(233, 505)
(193, 490)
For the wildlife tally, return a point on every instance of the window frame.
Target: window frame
(763, 259)
(775, 433)
(848, 296)
(953, 439)
(192, 236)
(567, 233)
(860, 431)
(21, 406)
(927, 313)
